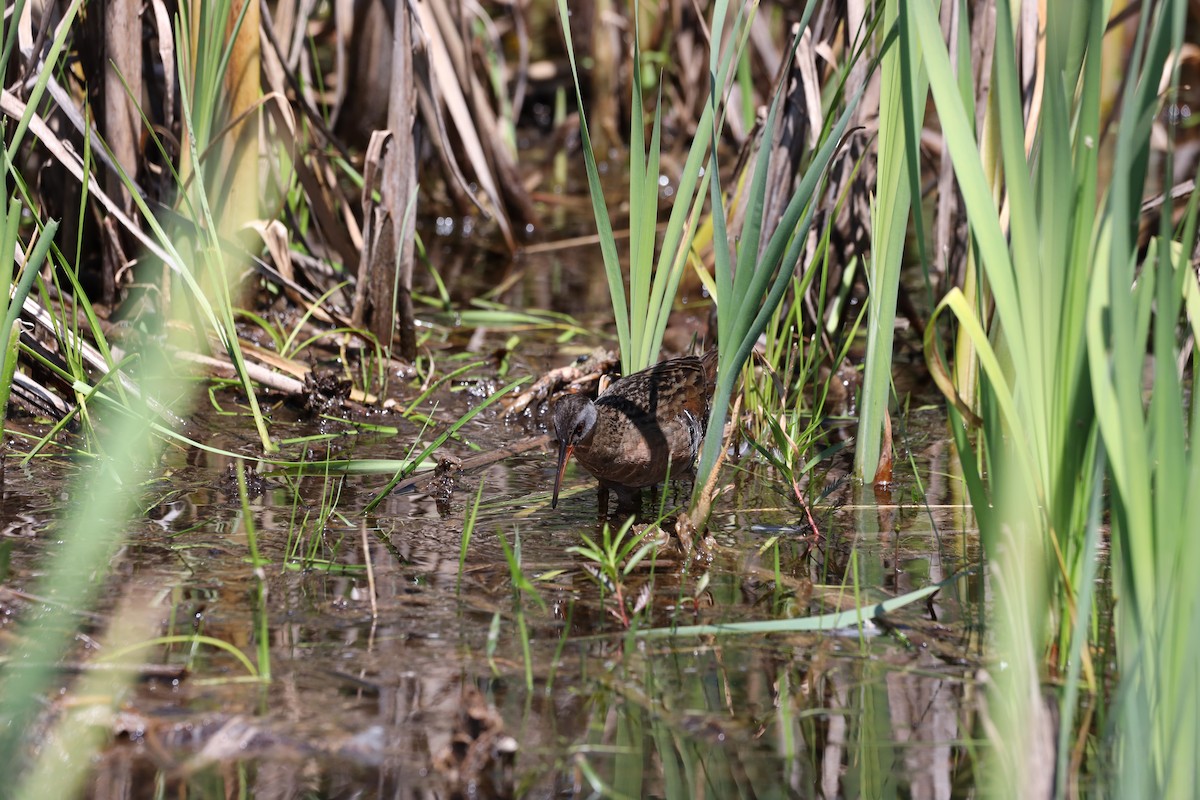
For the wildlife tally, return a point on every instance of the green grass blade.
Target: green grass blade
(901, 118)
(823, 622)
(608, 243)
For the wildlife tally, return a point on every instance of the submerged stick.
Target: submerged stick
(475, 462)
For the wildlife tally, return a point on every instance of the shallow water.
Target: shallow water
(367, 699)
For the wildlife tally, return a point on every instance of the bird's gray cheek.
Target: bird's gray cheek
(695, 429)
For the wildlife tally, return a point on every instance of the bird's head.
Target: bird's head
(574, 423)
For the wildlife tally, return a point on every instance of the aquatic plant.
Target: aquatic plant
(903, 82)
(753, 274)
(1032, 446)
(750, 277)
(642, 319)
(107, 493)
(1062, 354)
(1149, 447)
(1047, 382)
(522, 587)
(613, 557)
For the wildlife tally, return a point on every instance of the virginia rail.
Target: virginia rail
(641, 429)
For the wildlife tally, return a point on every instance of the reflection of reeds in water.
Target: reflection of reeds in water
(724, 722)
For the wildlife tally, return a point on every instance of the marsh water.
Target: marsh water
(405, 664)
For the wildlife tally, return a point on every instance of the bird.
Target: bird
(643, 428)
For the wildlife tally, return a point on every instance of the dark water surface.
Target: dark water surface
(426, 692)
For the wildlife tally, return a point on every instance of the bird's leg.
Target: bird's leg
(628, 500)
(602, 496)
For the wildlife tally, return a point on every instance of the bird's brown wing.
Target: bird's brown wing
(666, 389)
(650, 422)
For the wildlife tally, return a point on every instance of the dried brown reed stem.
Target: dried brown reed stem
(699, 514)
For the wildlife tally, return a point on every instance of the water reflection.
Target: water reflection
(422, 693)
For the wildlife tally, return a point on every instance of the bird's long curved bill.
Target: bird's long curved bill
(564, 453)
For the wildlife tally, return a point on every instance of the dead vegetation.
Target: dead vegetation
(332, 135)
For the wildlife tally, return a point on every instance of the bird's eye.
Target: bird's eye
(579, 430)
